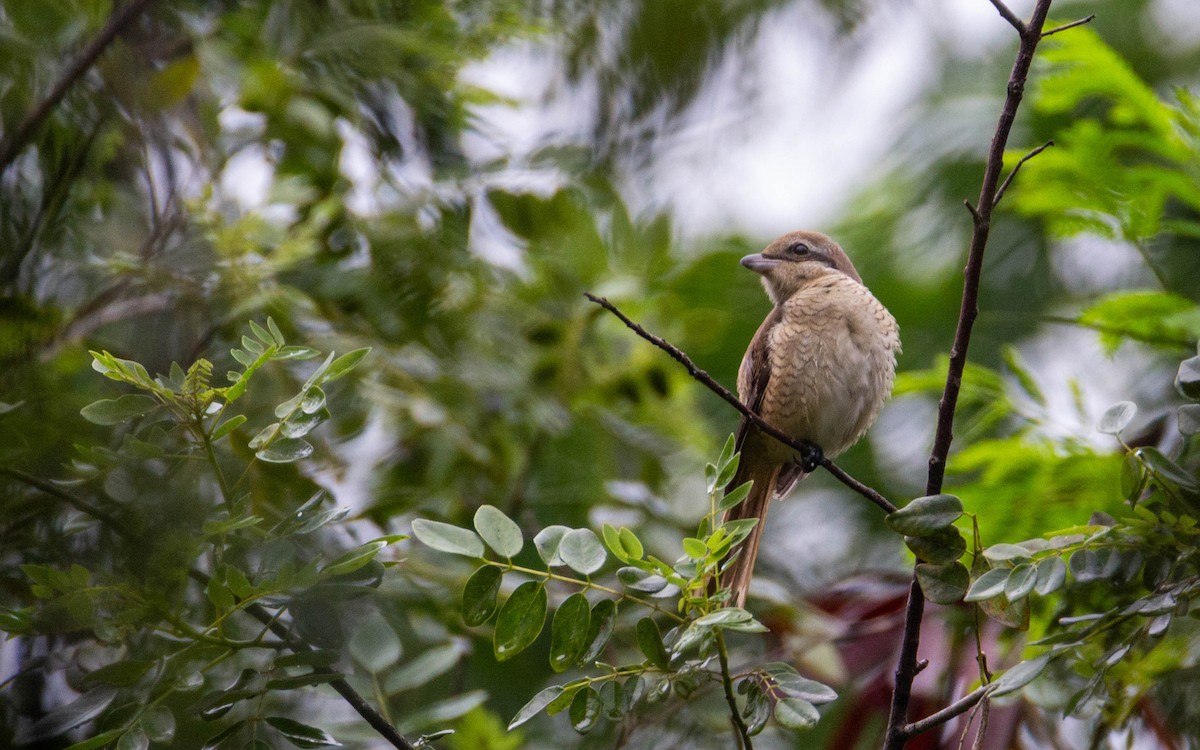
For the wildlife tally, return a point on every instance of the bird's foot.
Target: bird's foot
(811, 457)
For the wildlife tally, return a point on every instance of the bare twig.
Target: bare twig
(797, 445)
(1070, 25)
(1031, 34)
(258, 612)
(1008, 180)
(1007, 14)
(29, 124)
(958, 707)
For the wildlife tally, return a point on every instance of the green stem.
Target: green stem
(743, 732)
(585, 584)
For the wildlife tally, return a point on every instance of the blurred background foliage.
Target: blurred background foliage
(345, 168)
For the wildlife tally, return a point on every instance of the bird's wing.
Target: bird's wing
(755, 372)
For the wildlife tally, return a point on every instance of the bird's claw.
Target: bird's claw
(811, 457)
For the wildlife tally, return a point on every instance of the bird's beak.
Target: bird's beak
(759, 263)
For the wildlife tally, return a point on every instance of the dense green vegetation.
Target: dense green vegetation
(269, 323)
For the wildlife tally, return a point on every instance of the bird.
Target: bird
(818, 369)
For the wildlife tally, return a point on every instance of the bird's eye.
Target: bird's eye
(798, 248)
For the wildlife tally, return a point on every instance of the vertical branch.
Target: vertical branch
(981, 214)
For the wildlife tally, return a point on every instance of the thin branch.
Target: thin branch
(1031, 34)
(1070, 25)
(257, 611)
(957, 708)
(1012, 18)
(797, 445)
(121, 18)
(735, 717)
(1008, 180)
(975, 217)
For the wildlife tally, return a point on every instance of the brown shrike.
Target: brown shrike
(818, 369)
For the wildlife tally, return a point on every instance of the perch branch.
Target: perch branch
(797, 445)
(1008, 180)
(957, 708)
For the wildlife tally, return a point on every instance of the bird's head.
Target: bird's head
(795, 260)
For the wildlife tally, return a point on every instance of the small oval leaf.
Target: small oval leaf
(926, 515)
(569, 632)
(500, 532)
(1117, 417)
(445, 537)
(581, 550)
(479, 595)
(520, 620)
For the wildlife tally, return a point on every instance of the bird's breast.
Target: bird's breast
(832, 358)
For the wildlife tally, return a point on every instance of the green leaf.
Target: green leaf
(1117, 417)
(520, 620)
(375, 645)
(791, 682)
(569, 632)
(1019, 676)
(479, 595)
(943, 584)
(1051, 573)
(424, 669)
(285, 451)
(115, 411)
(942, 546)
(261, 334)
(120, 673)
(302, 735)
(228, 426)
(535, 706)
(1167, 470)
(641, 580)
(444, 537)
(585, 710)
(926, 515)
(601, 624)
(1187, 380)
(158, 723)
(988, 585)
(354, 559)
(1021, 581)
(345, 364)
(737, 495)
(632, 545)
(217, 739)
(1006, 552)
(695, 548)
(796, 714)
(650, 642)
(276, 334)
(133, 739)
(79, 711)
(301, 423)
(500, 532)
(547, 542)
(581, 551)
(1188, 419)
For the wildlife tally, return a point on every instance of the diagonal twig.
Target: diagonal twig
(1070, 25)
(797, 445)
(958, 707)
(122, 17)
(1007, 14)
(1008, 180)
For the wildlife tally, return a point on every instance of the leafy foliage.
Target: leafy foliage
(580, 631)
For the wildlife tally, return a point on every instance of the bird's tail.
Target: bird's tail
(764, 475)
